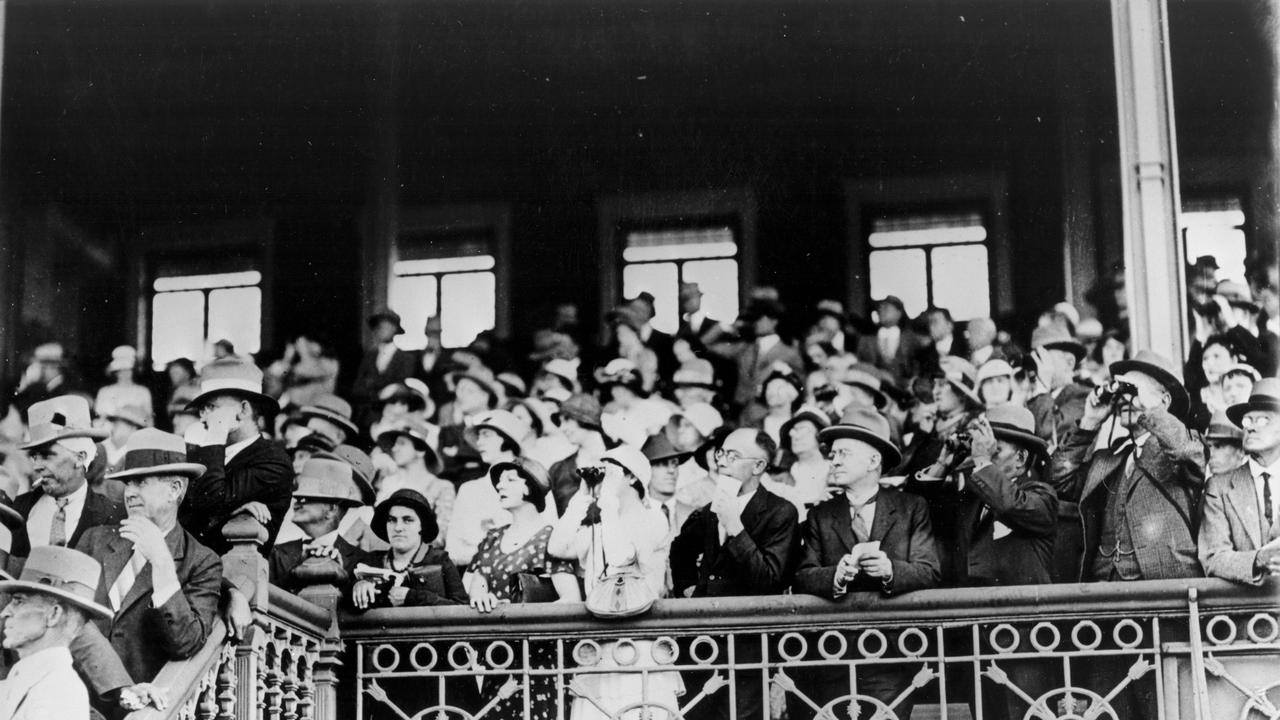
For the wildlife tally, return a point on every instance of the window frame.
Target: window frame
(977, 206)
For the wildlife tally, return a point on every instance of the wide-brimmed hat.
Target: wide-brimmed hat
(421, 437)
(155, 452)
(402, 392)
(583, 409)
(60, 572)
(1221, 428)
(566, 371)
(961, 375)
(807, 413)
(993, 368)
(867, 382)
(386, 314)
(704, 418)
(1053, 337)
(233, 376)
(541, 411)
(1243, 369)
(1265, 396)
(124, 357)
(1162, 371)
(333, 409)
(868, 426)
(783, 372)
(632, 459)
(513, 385)
(535, 477)
(314, 442)
(413, 500)
(329, 480)
(504, 423)
(1017, 425)
(658, 448)
(483, 379)
(136, 416)
(361, 464)
(60, 418)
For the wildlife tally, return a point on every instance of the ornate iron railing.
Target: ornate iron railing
(1200, 649)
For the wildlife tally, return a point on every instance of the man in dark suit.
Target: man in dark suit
(245, 472)
(757, 354)
(160, 582)
(865, 539)
(662, 344)
(326, 489)
(1240, 532)
(61, 506)
(383, 363)
(894, 346)
(745, 542)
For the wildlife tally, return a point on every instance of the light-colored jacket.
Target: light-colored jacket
(1231, 529)
(43, 686)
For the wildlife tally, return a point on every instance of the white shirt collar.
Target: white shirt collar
(42, 661)
(235, 448)
(1256, 469)
(892, 331)
(695, 319)
(766, 342)
(325, 540)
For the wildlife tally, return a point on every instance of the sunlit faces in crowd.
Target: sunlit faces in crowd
(1224, 455)
(1011, 459)
(493, 446)
(59, 468)
(946, 398)
(1217, 359)
(512, 490)
(739, 456)
(996, 390)
(404, 452)
(803, 436)
(851, 461)
(662, 481)
(404, 529)
(153, 496)
(687, 437)
(689, 395)
(312, 511)
(780, 393)
(26, 618)
(1061, 370)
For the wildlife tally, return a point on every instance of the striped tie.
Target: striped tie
(129, 573)
(58, 528)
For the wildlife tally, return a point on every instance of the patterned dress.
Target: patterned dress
(497, 568)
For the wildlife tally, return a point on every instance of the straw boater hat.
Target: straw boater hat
(1265, 396)
(329, 480)
(868, 426)
(66, 574)
(422, 438)
(389, 315)
(152, 452)
(962, 376)
(234, 377)
(60, 418)
(1017, 425)
(1163, 372)
(334, 409)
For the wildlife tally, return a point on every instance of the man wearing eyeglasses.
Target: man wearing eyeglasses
(745, 542)
(1240, 532)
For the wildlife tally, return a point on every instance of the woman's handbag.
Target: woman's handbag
(528, 587)
(621, 594)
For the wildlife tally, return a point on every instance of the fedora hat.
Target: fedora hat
(123, 358)
(134, 415)
(68, 575)
(332, 480)
(1162, 371)
(334, 409)
(1265, 396)
(389, 315)
(807, 413)
(962, 376)
(583, 409)
(413, 500)
(361, 465)
(422, 438)
(1053, 337)
(658, 448)
(535, 478)
(868, 426)
(156, 452)
(59, 418)
(1017, 425)
(235, 377)
(1221, 428)
(504, 423)
(315, 442)
(867, 382)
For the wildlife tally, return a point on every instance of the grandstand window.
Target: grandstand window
(449, 275)
(190, 311)
(658, 260)
(1214, 226)
(937, 259)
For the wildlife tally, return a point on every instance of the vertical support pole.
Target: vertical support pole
(245, 567)
(326, 576)
(9, 307)
(1153, 253)
(382, 216)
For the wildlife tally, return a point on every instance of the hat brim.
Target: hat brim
(375, 319)
(1070, 346)
(1020, 437)
(387, 438)
(267, 405)
(784, 432)
(331, 416)
(1236, 412)
(1181, 400)
(678, 456)
(699, 385)
(489, 387)
(136, 422)
(890, 455)
(345, 501)
(191, 471)
(68, 434)
(88, 606)
(968, 392)
(412, 399)
(877, 396)
(383, 510)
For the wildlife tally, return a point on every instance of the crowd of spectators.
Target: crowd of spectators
(721, 460)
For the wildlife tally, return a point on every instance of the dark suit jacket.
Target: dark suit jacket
(1232, 528)
(663, 346)
(433, 579)
(903, 364)
(901, 526)
(1162, 505)
(261, 472)
(757, 561)
(285, 557)
(368, 381)
(146, 637)
(98, 510)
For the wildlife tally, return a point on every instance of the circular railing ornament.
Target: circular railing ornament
(915, 634)
(375, 657)
(665, 650)
(1004, 648)
(1213, 633)
(703, 641)
(624, 652)
(587, 653)
(878, 637)
(490, 659)
(1053, 632)
(842, 645)
(1117, 634)
(1259, 620)
(798, 639)
(421, 666)
(1092, 627)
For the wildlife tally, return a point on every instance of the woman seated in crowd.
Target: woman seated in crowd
(416, 467)
(806, 467)
(412, 572)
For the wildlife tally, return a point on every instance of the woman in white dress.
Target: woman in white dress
(608, 528)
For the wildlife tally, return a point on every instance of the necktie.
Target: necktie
(1267, 511)
(861, 531)
(666, 512)
(58, 529)
(120, 588)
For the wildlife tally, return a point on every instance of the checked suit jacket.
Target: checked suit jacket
(144, 635)
(1231, 530)
(1162, 504)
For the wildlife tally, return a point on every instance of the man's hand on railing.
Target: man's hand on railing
(257, 511)
(136, 697)
(237, 614)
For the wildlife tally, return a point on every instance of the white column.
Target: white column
(1153, 252)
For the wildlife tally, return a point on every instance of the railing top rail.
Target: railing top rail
(181, 678)
(1144, 598)
(290, 608)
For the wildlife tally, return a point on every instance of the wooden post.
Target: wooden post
(326, 577)
(245, 567)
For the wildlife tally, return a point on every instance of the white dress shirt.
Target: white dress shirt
(888, 338)
(43, 686)
(1273, 470)
(765, 343)
(742, 501)
(385, 351)
(40, 519)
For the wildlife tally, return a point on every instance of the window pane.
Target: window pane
(659, 280)
(1212, 226)
(444, 265)
(933, 229)
(718, 281)
(679, 244)
(236, 315)
(901, 273)
(177, 327)
(414, 298)
(468, 303)
(204, 282)
(962, 281)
